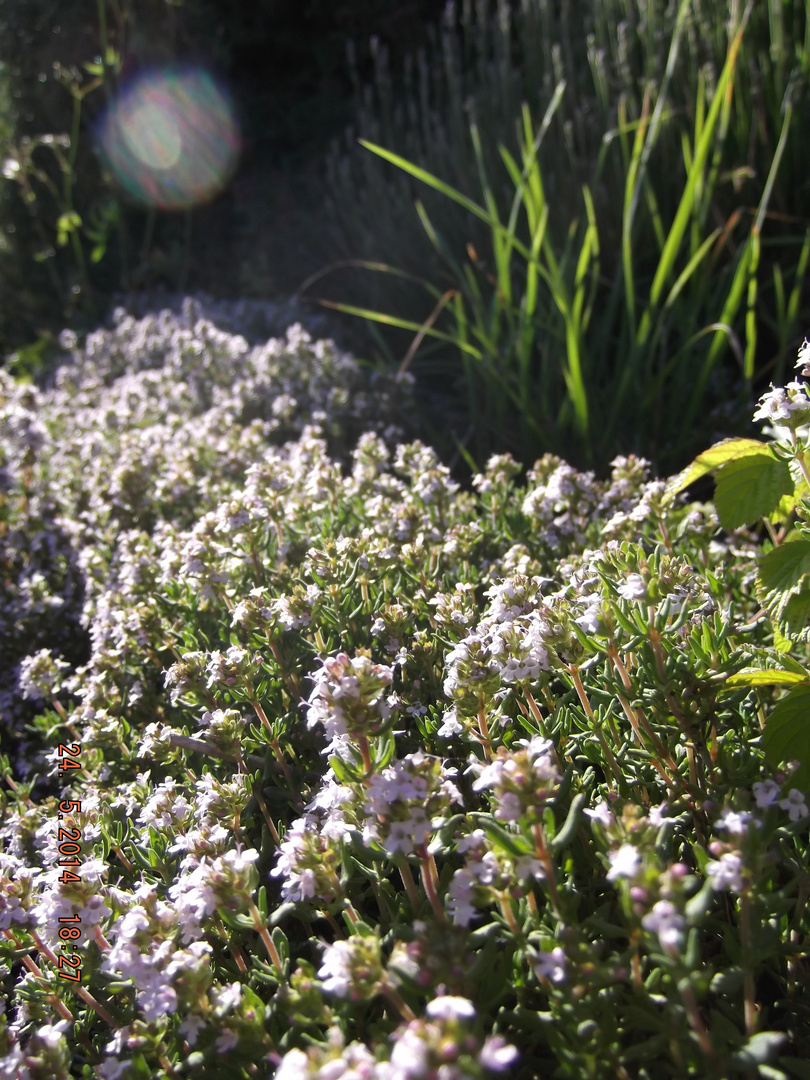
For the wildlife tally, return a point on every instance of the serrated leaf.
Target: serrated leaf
(780, 587)
(750, 487)
(794, 616)
(781, 643)
(783, 510)
(759, 677)
(787, 730)
(712, 459)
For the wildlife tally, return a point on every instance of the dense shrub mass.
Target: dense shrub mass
(372, 776)
(149, 426)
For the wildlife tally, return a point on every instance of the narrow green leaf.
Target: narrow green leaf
(757, 677)
(695, 175)
(405, 324)
(512, 844)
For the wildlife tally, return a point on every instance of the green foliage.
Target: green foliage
(627, 297)
(371, 765)
(770, 482)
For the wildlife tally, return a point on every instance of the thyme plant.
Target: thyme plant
(370, 775)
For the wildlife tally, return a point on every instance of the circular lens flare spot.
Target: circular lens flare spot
(171, 138)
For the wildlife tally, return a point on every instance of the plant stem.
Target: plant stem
(261, 929)
(748, 978)
(410, 884)
(483, 727)
(266, 814)
(430, 879)
(395, 998)
(573, 671)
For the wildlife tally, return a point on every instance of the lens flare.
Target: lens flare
(171, 138)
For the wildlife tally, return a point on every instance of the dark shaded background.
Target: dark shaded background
(285, 63)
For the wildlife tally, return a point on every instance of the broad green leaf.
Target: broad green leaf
(756, 677)
(782, 570)
(781, 643)
(794, 616)
(750, 487)
(787, 730)
(712, 459)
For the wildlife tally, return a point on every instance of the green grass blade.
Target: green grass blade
(751, 312)
(690, 268)
(403, 324)
(686, 206)
(801, 268)
(630, 198)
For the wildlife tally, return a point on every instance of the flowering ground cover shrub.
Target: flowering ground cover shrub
(373, 777)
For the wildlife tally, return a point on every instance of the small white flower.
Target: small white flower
(510, 807)
(766, 793)
(226, 1041)
(625, 862)
(795, 804)
(601, 813)
(336, 970)
(450, 725)
(551, 965)
(497, 1054)
(666, 921)
(735, 821)
(634, 588)
(727, 873)
(475, 841)
(450, 1008)
(788, 404)
(657, 815)
(294, 1066)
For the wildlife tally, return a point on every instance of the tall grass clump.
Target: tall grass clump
(633, 176)
(326, 769)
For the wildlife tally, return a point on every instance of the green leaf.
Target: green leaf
(750, 487)
(783, 590)
(712, 459)
(783, 568)
(787, 730)
(512, 844)
(781, 643)
(755, 677)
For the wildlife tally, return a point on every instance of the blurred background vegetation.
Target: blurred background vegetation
(309, 78)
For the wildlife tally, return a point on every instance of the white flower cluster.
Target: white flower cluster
(441, 1045)
(407, 800)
